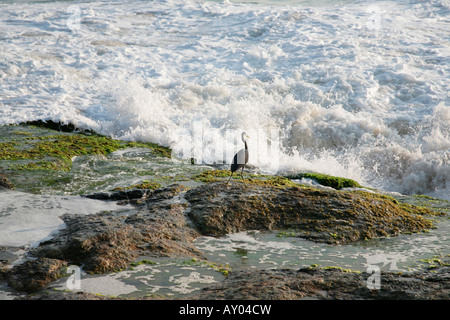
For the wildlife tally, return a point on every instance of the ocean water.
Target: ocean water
(352, 88)
(28, 219)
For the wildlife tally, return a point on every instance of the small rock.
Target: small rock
(5, 183)
(33, 275)
(120, 195)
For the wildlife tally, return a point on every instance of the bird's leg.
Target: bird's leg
(230, 178)
(242, 171)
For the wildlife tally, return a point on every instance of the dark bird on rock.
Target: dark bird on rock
(240, 159)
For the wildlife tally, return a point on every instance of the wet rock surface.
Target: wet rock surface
(319, 215)
(5, 184)
(33, 275)
(166, 221)
(335, 283)
(110, 241)
(309, 284)
(65, 295)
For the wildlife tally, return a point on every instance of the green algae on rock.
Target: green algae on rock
(212, 175)
(143, 185)
(41, 160)
(29, 147)
(319, 215)
(337, 183)
(162, 224)
(255, 179)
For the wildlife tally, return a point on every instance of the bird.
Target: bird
(240, 159)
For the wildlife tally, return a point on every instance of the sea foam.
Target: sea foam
(358, 89)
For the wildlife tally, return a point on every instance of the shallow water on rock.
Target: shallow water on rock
(156, 278)
(182, 278)
(254, 249)
(27, 219)
(98, 173)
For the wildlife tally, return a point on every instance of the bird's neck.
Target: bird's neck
(245, 143)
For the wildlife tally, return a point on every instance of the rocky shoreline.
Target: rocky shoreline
(304, 284)
(165, 225)
(165, 221)
(330, 284)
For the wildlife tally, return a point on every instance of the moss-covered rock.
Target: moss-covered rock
(33, 275)
(337, 183)
(5, 183)
(216, 175)
(329, 284)
(319, 215)
(212, 175)
(30, 147)
(146, 184)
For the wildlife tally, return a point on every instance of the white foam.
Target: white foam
(358, 89)
(183, 283)
(106, 285)
(27, 219)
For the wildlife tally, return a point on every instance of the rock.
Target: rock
(110, 241)
(5, 183)
(33, 275)
(101, 242)
(319, 215)
(329, 284)
(120, 195)
(334, 182)
(166, 221)
(65, 295)
(165, 193)
(163, 223)
(8, 254)
(134, 195)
